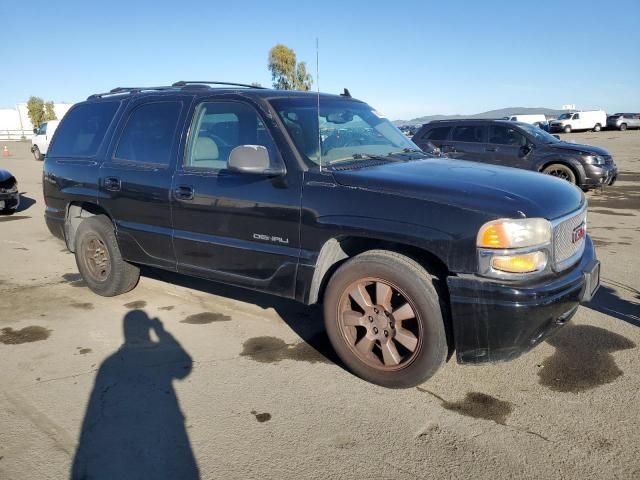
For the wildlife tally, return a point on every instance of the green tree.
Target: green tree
(286, 72)
(49, 112)
(35, 110)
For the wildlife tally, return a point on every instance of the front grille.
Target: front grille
(566, 251)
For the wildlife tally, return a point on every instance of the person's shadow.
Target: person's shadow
(133, 427)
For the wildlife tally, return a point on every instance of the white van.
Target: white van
(531, 119)
(584, 120)
(41, 138)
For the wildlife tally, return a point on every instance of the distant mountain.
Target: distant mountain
(502, 112)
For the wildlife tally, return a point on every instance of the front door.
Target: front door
(136, 178)
(507, 146)
(240, 228)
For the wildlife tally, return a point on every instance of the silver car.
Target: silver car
(622, 121)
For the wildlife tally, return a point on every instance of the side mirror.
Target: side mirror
(252, 159)
(35, 130)
(557, 136)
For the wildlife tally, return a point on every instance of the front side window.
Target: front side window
(469, 133)
(503, 135)
(149, 133)
(218, 128)
(82, 130)
(339, 130)
(43, 129)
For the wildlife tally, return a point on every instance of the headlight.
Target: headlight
(594, 159)
(510, 233)
(513, 248)
(12, 189)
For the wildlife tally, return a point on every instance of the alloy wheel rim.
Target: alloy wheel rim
(559, 173)
(96, 258)
(380, 324)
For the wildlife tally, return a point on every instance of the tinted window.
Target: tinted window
(149, 133)
(503, 135)
(219, 127)
(440, 133)
(82, 130)
(469, 133)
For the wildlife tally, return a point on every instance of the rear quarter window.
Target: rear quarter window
(82, 130)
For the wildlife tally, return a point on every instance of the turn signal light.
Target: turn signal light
(523, 263)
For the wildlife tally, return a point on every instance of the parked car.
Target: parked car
(412, 256)
(622, 121)
(520, 145)
(530, 118)
(41, 138)
(9, 195)
(584, 120)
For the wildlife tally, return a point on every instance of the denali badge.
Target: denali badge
(579, 232)
(269, 238)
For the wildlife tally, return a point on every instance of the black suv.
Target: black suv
(520, 145)
(319, 198)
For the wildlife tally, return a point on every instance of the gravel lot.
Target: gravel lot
(218, 382)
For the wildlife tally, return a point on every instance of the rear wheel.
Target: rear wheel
(567, 129)
(561, 171)
(36, 154)
(384, 319)
(623, 127)
(99, 260)
(597, 128)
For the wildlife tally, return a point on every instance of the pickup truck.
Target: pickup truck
(319, 198)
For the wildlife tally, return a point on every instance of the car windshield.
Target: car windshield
(345, 130)
(565, 116)
(537, 133)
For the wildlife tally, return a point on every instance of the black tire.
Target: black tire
(567, 129)
(597, 127)
(623, 127)
(36, 154)
(116, 278)
(561, 171)
(415, 286)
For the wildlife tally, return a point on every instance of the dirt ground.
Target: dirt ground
(216, 382)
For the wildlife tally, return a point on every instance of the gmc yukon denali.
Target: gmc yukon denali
(319, 198)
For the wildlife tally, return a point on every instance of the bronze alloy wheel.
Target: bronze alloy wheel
(380, 324)
(95, 256)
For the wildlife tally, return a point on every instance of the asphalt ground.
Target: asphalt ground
(218, 382)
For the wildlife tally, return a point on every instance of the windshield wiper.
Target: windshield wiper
(361, 156)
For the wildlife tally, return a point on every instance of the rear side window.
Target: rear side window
(439, 133)
(149, 133)
(82, 130)
(469, 133)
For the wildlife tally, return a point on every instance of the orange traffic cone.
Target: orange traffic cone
(6, 152)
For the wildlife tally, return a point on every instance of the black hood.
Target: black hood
(579, 147)
(496, 191)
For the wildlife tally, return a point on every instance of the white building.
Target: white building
(15, 122)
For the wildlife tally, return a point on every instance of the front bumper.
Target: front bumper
(597, 176)
(9, 201)
(497, 321)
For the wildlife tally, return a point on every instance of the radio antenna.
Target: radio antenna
(318, 100)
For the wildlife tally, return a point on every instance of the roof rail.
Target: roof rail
(121, 90)
(184, 83)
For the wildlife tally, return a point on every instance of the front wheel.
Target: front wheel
(99, 260)
(36, 154)
(597, 128)
(561, 171)
(567, 129)
(385, 321)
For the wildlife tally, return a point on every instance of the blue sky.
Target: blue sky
(406, 58)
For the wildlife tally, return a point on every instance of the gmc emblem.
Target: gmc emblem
(579, 232)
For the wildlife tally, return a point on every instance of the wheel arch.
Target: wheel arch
(577, 170)
(76, 212)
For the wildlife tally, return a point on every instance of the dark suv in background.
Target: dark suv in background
(520, 145)
(318, 198)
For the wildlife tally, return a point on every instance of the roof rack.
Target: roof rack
(185, 83)
(121, 90)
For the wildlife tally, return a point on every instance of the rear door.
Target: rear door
(506, 146)
(240, 228)
(468, 142)
(136, 177)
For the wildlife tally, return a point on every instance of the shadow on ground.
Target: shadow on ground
(133, 426)
(608, 301)
(306, 321)
(25, 203)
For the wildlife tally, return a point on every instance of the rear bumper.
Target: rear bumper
(494, 321)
